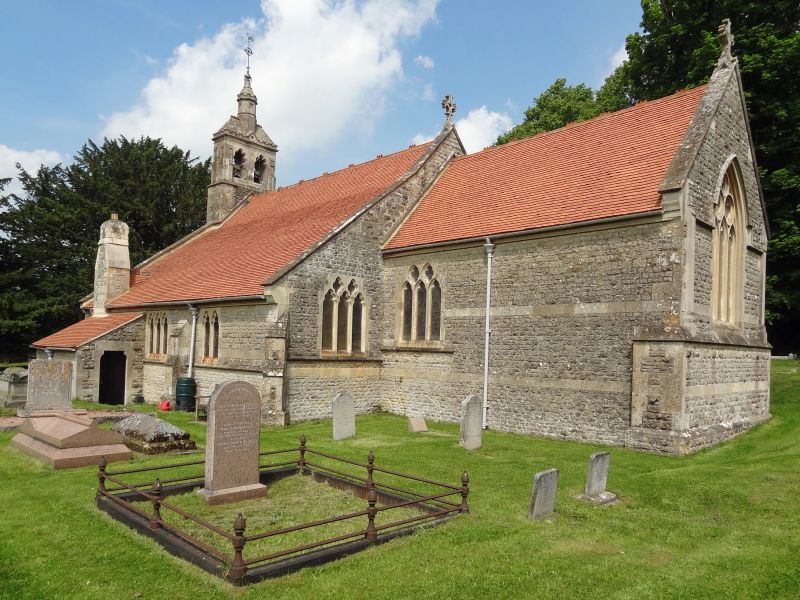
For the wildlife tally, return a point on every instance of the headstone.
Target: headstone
(49, 386)
(13, 387)
(417, 425)
(471, 423)
(344, 417)
(67, 440)
(543, 500)
(232, 444)
(151, 435)
(596, 479)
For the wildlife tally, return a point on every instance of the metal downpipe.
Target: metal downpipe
(488, 247)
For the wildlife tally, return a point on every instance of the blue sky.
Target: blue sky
(337, 81)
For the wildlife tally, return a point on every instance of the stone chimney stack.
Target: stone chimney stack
(112, 269)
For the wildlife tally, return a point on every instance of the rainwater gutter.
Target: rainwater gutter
(488, 247)
(194, 311)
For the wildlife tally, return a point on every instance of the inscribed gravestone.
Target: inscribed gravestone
(344, 417)
(471, 429)
(543, 500)
(596, 479)
(232, 444)
(417, 425)
(49, 386)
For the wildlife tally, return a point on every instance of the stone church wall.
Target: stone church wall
(354, 252)
(564, 310)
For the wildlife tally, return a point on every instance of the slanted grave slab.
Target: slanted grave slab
(344, 417)
(232, 444)
(471, 437)
(417, 425)
(543, 498)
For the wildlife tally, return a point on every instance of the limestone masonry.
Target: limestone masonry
(626, 288)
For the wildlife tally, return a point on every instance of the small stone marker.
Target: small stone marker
(49, 386)
(417, 425)
(596, 479)
(471, 436)
(344, 417)
(543, 500)
(232, 444)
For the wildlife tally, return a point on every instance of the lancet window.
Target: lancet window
(421, 306)
(344, 318)
(210, 335)
(728, 245)
(157, 334)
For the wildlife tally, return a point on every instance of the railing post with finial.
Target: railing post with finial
(155, 498)
(370, 469)
(372, 498)
(301, 464)
(464, 492)
(238, 568)
(101, 476)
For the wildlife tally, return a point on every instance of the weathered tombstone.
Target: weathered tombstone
(417, 425)
(344, 417)
(151, 435)
(596, 479)
(13, 387)
(232, 444)
(49, 386)
(543, 499)
(471, 436)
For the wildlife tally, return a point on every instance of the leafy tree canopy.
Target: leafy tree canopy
(49, 233)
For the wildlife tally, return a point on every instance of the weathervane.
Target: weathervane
(249, 51)
(449, 108)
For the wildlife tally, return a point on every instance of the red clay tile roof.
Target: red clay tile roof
(85, 331)
(261, 238)
(609, 166)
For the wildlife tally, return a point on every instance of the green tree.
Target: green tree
(48, 234)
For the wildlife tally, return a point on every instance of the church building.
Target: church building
(601, 282)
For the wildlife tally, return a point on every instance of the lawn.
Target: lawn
(724, 523)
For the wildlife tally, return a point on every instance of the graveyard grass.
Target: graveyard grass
(722, 523)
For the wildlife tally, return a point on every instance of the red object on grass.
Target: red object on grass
(165, 404)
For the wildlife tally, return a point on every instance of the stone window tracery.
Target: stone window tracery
(421, 306)
(210, 336)
(728, 240)
(157, 333)
(344, 318)
(238, 163)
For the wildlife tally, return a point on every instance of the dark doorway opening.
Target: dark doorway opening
(112, 378)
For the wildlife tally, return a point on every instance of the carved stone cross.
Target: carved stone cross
(726, 38)
(449, 108)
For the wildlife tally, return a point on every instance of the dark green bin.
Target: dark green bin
(185, 391)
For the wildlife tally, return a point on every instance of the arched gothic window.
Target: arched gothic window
(728, 250)
(215, 336)
(238, 163)
(343, 319)
(156, 334)
(421, 302)
(258, 172)
(210, 336)
(206, 336)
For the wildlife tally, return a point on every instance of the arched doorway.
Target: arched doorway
(112, 378)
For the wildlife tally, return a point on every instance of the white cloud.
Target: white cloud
(30, 160)
(619, 57)
(421, 138)
(426, 62)
(481, 127)
(320, 68)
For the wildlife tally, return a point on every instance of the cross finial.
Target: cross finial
(249, 51)
(449, 108)
(725, 39)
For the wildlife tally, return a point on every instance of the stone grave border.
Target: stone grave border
(435, 508)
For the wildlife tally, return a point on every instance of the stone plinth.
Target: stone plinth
(49, 386)
(543, 498)
(65, 441)
(471, 437)
(151, 435)
(344, 417)
(232, 444)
